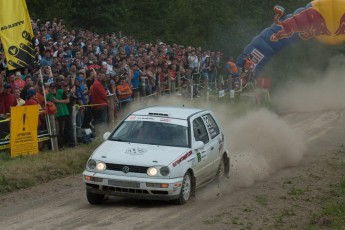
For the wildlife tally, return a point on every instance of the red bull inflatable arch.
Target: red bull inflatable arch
(323, 20)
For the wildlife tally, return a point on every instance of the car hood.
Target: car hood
(137, 154)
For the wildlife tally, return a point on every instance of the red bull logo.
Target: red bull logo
(307, 24)
(341, 29)
(324, 20)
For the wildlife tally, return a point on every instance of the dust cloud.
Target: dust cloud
(259, 142)
(325, 92)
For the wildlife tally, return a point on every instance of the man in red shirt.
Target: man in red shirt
(99, 100)
(7, 99)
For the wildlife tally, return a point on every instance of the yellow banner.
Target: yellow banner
(24, 121)
(16, 34)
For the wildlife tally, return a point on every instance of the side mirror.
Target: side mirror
(199, 145)
(106, 135)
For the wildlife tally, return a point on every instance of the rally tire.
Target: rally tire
(221, 173)
(186, 189)
(94, 198)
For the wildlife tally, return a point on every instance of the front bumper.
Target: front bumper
(132, 187)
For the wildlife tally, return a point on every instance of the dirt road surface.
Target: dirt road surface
(283, 198)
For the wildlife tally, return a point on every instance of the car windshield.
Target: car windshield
(153, 133)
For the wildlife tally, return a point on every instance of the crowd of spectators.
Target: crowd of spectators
(82, 67)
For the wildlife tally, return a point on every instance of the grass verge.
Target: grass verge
(24, 172)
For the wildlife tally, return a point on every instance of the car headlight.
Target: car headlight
(91, 164)
(152, 171)
(101, 166)
(165, 171)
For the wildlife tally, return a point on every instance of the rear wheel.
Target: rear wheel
(185, 189)
(94, 198)
(221, 174)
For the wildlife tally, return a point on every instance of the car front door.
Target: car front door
(215, 142)
(202, 163)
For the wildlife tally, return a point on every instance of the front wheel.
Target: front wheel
(185, 189)
(94, 198)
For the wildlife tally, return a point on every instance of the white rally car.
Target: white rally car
(162, 153)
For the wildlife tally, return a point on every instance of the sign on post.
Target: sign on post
(24, 122)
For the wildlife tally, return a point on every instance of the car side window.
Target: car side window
(200, 132)
(211, 125)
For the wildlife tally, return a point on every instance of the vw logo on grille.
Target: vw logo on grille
(125, 169)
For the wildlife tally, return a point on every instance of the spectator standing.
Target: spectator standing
(99, 100)
(135, 81)
(47, 59)
(60, 99)
(7, 99)
(232, 71)
(18, 81)
(124, 91)
(69, 128)
(205, 68)
(32, 100)
(28, 84)
(20, 101)
(80, 100)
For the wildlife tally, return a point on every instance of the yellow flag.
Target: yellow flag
(16, 34)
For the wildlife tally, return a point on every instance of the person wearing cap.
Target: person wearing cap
(7, 99)
(60, 99)
(47, 59)
(32, 99)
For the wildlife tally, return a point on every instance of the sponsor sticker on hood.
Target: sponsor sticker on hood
(136, 151)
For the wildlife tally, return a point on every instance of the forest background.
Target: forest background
(219, 25)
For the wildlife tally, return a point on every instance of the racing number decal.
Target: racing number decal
(208, 124)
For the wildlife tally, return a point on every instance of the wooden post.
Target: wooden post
(207, 93)
(178, 79)
(158, 89)
(169, 84)
(74, 123)
(53, 132)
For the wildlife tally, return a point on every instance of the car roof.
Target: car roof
(168, 111)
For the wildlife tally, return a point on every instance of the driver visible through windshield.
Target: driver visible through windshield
(153, 132)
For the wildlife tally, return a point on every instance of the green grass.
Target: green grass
(332, 212)
(296, 191)
(24, 172)
(216, 218)
(262, 200)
